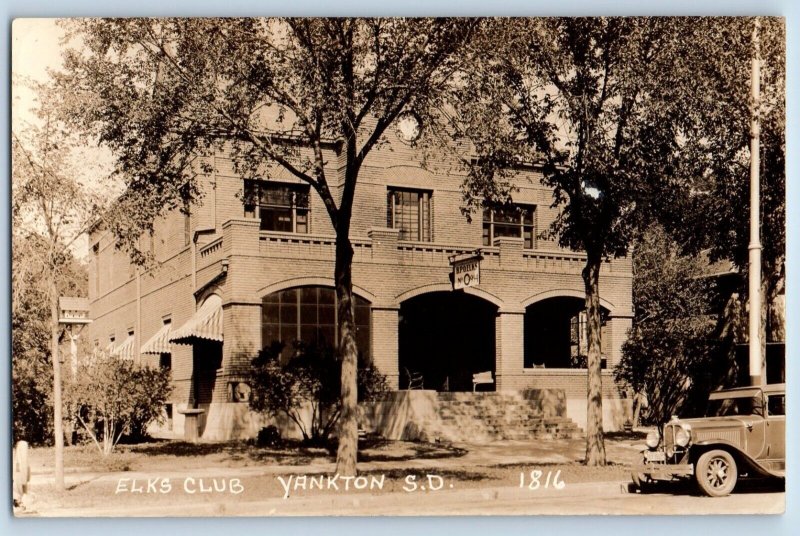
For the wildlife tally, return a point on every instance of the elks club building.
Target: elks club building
(253, 263)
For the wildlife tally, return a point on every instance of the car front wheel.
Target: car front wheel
(716, 473)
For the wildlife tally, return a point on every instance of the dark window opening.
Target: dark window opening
(515, 221)
(96, 256)
(776, 405)
(279, 207)
(410, 212)
(168, 411)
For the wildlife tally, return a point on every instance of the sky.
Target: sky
(35, 48)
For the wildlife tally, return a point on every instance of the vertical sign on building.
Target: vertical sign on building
(466, 271)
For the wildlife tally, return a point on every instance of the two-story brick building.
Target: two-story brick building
(253, 263)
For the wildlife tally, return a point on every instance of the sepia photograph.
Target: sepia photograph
(398, 266)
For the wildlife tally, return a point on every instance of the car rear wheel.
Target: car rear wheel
(716, 473)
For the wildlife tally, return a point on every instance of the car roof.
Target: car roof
(771, 388)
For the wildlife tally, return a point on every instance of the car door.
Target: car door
(776, 429)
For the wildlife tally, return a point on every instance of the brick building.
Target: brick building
(253, 262)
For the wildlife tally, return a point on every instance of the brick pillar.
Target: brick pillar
(384, 243)
(385, 343)
(617, 328)
(242, 332)
(510, 250)
(509, 348)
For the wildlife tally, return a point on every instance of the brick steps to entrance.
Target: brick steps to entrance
(478, 417)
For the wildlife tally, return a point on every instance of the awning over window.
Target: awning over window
(205, 324)
(158, 343)
(125, 348)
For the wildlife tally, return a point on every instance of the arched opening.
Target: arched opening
(446, 337)
(309, 314)
(555, 333)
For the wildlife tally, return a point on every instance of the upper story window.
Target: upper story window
(410, 212)
(280, 207)
(96, 257)
(515, 221)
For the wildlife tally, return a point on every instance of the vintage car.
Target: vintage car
(742, 435)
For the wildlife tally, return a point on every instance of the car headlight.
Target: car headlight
(652, 440)
(683, 436)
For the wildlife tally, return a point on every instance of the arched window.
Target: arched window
(308, 314)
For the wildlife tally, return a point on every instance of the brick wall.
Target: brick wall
(386, 271)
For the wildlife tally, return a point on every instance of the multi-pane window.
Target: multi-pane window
(309, 314)
(515, 221)
(280, 207)
(410, 212)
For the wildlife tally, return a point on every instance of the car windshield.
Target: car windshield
(725, 407)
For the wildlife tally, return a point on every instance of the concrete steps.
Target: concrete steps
(481, 417)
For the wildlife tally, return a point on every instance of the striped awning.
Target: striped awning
(124, 349)
(205, 324)
(158, 343)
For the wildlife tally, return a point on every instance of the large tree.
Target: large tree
(714, 209)
(161, 93)
(597, 103)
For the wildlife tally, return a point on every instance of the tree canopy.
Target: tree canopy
(163, 93)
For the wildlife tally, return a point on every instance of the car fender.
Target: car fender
(742, 458)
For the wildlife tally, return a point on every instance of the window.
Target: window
(309, 314)
(515, 221)
(168, 411)
(776, 405)
(410, 212)
(96, 257)
(280, 207)
(187, 226)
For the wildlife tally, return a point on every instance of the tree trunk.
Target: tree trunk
(348, 353)
(595, 449)
(58, 423)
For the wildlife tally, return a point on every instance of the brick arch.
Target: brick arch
(315, 281)
(564, 293)
(445, 287)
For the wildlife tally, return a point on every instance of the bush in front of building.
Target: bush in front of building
(112, 398)
(305, 387)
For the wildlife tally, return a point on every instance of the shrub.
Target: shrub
(111, 398)
(308, 380)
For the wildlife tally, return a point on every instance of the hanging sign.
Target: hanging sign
(466, 271)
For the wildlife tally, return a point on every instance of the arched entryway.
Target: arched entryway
(446, 337)
(555, 333)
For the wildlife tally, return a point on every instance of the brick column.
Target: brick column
(617, 328)
(384, 243)
(510, 250)
(509, 348)
(385, 343)
(242, 325)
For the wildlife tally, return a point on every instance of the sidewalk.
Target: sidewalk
(227, 484)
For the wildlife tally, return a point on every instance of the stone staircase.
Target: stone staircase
(493, 416)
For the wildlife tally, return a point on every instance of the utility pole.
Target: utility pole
(58, 422)
(754, 248)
